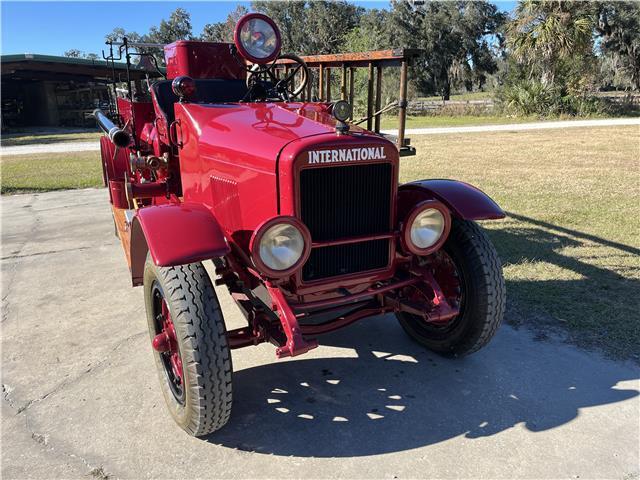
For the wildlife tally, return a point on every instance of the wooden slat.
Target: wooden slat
(358, 58)
(352, 74)
(370, 98)
(376, 125)
(123, 232)
(343, 83)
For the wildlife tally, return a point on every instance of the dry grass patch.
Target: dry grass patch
(571, 245)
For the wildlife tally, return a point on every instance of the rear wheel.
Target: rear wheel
(190, 346)
(470, 274)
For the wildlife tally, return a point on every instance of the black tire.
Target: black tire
(483, 296)
(204, 403)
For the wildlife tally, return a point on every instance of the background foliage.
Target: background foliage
(548, 57)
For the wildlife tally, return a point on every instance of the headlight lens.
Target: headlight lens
(258, 38)
(281, 246)
(427, 228)
(342, 110)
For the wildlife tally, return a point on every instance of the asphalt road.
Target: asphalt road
(81, 395)
(55, 147)
(520, 127)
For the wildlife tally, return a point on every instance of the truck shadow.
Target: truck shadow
(392, 395)
(389, 394)
(571, 279)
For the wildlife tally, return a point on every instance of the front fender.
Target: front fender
(465, 201)
(174, 234)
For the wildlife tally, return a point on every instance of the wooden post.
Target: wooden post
(321, 83)
(370, 98)
(352, 76)
(309, 85)
(343, 82)
(378, 97)
(328, 84)
(402, 110)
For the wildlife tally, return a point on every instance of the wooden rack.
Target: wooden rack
(346, 63)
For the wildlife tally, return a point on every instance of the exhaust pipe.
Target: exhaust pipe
(118, 137)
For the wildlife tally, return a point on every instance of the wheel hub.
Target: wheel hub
(440, 289)
(166, 343)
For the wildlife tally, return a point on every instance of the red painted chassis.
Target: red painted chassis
(197, 184)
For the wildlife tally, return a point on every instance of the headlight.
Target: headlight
(280, 246)
(426, 228)
(184, 87)
(257, 38)
(341, 110)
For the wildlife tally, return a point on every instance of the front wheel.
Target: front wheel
(469, 272)
(190, 346)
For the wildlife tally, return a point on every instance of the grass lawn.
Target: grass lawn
(50, 171)
(28, 139)
(571, 244)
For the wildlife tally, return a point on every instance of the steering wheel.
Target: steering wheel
(284, 88)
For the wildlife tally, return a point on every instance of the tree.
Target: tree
(177, 27)
(223, 31)
(619, 27)
(371, 33)
(118, 33)
(544, 35)
(553, 64)
(454, 38)
(73, 53)
(312, 27)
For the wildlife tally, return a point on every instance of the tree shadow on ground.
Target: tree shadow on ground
(573, 280)
(396, 396)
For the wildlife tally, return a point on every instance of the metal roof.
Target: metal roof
(68, 65)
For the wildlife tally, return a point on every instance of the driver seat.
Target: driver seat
(208, 90)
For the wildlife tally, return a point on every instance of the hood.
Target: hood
(255, 133)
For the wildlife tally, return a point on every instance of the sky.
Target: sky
(51, 28)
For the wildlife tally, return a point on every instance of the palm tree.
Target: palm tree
(544, 31)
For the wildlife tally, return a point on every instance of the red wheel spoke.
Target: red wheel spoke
(166, 343)
(176, 366)
(165, 311)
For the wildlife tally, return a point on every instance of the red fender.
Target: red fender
(174, 234)
(465, 201)
(114, 164)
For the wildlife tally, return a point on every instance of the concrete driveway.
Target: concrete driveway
(81, 395)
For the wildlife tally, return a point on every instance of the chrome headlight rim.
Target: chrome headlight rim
(407, 242)
(241, 47)
(258, 235)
